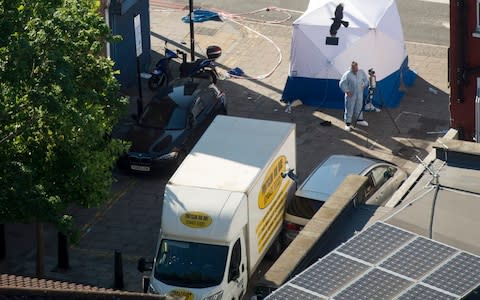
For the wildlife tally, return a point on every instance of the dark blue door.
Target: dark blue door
(121, 15)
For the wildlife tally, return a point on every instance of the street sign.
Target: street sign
(138, 35)
(138, 47)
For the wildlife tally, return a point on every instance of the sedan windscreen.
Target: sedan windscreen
(164, 114)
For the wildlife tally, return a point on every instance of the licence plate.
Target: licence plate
(140, 168)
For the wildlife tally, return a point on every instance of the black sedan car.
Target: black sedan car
(172, 122)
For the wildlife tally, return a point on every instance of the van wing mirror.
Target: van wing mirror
(144, 265)
(292, 175)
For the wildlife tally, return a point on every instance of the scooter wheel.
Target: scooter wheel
(156, 81)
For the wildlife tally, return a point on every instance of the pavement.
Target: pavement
(130, 220)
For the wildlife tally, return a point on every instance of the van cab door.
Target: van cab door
(237, 275)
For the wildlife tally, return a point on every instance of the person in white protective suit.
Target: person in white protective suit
(353, 83)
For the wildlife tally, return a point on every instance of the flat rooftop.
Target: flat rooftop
(449, 214)
(426, 247)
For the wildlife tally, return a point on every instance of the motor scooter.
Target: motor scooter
(161, 74)
(203, 67)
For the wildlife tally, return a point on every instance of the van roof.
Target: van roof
(232, 153)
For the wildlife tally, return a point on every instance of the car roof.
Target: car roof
(182, 91)
(327, 176)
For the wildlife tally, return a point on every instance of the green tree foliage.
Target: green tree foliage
(58, 103)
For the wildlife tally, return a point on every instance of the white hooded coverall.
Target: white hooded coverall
(355, 83)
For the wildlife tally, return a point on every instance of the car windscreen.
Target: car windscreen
(189, 264)
(163, 114)
(326, 178)
(303, 207)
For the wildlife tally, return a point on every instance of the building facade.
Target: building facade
(120, 15)
(464, 68)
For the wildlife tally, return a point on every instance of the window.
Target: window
(369, 187)
(477, 30)
(235, 260)
(378, 175)
(163, 113)
(478, 15)
(477, 112)
(377, 178)
(209, 97)
(198, 107)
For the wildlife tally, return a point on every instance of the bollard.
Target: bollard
(3, 244)
(62, 252)
(139, 107)
(118, 271)
(145, 283)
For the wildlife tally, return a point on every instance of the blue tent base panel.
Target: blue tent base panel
(327, 94)
(313, 92)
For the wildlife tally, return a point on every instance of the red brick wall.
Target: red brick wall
(463, 114)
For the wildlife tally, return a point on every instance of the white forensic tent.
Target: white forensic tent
(373, 38)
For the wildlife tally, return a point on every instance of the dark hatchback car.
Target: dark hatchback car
(172, 122)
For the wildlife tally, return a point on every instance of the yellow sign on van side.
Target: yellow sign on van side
(196, 219)
(271, 183)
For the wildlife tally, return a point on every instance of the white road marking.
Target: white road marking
(446, 25)
(437, 1)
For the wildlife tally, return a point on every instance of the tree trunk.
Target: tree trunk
(40, 266)
(3, 244)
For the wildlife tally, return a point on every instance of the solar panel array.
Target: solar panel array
(386, 262)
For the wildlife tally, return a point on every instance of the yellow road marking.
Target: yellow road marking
(99, 215)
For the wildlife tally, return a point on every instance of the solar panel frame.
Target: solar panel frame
(418, 258)
(422, 292)
(452, 276)
(330, 274)
(375, 285)
(376, 242)
(442, 278)
(289, 292)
